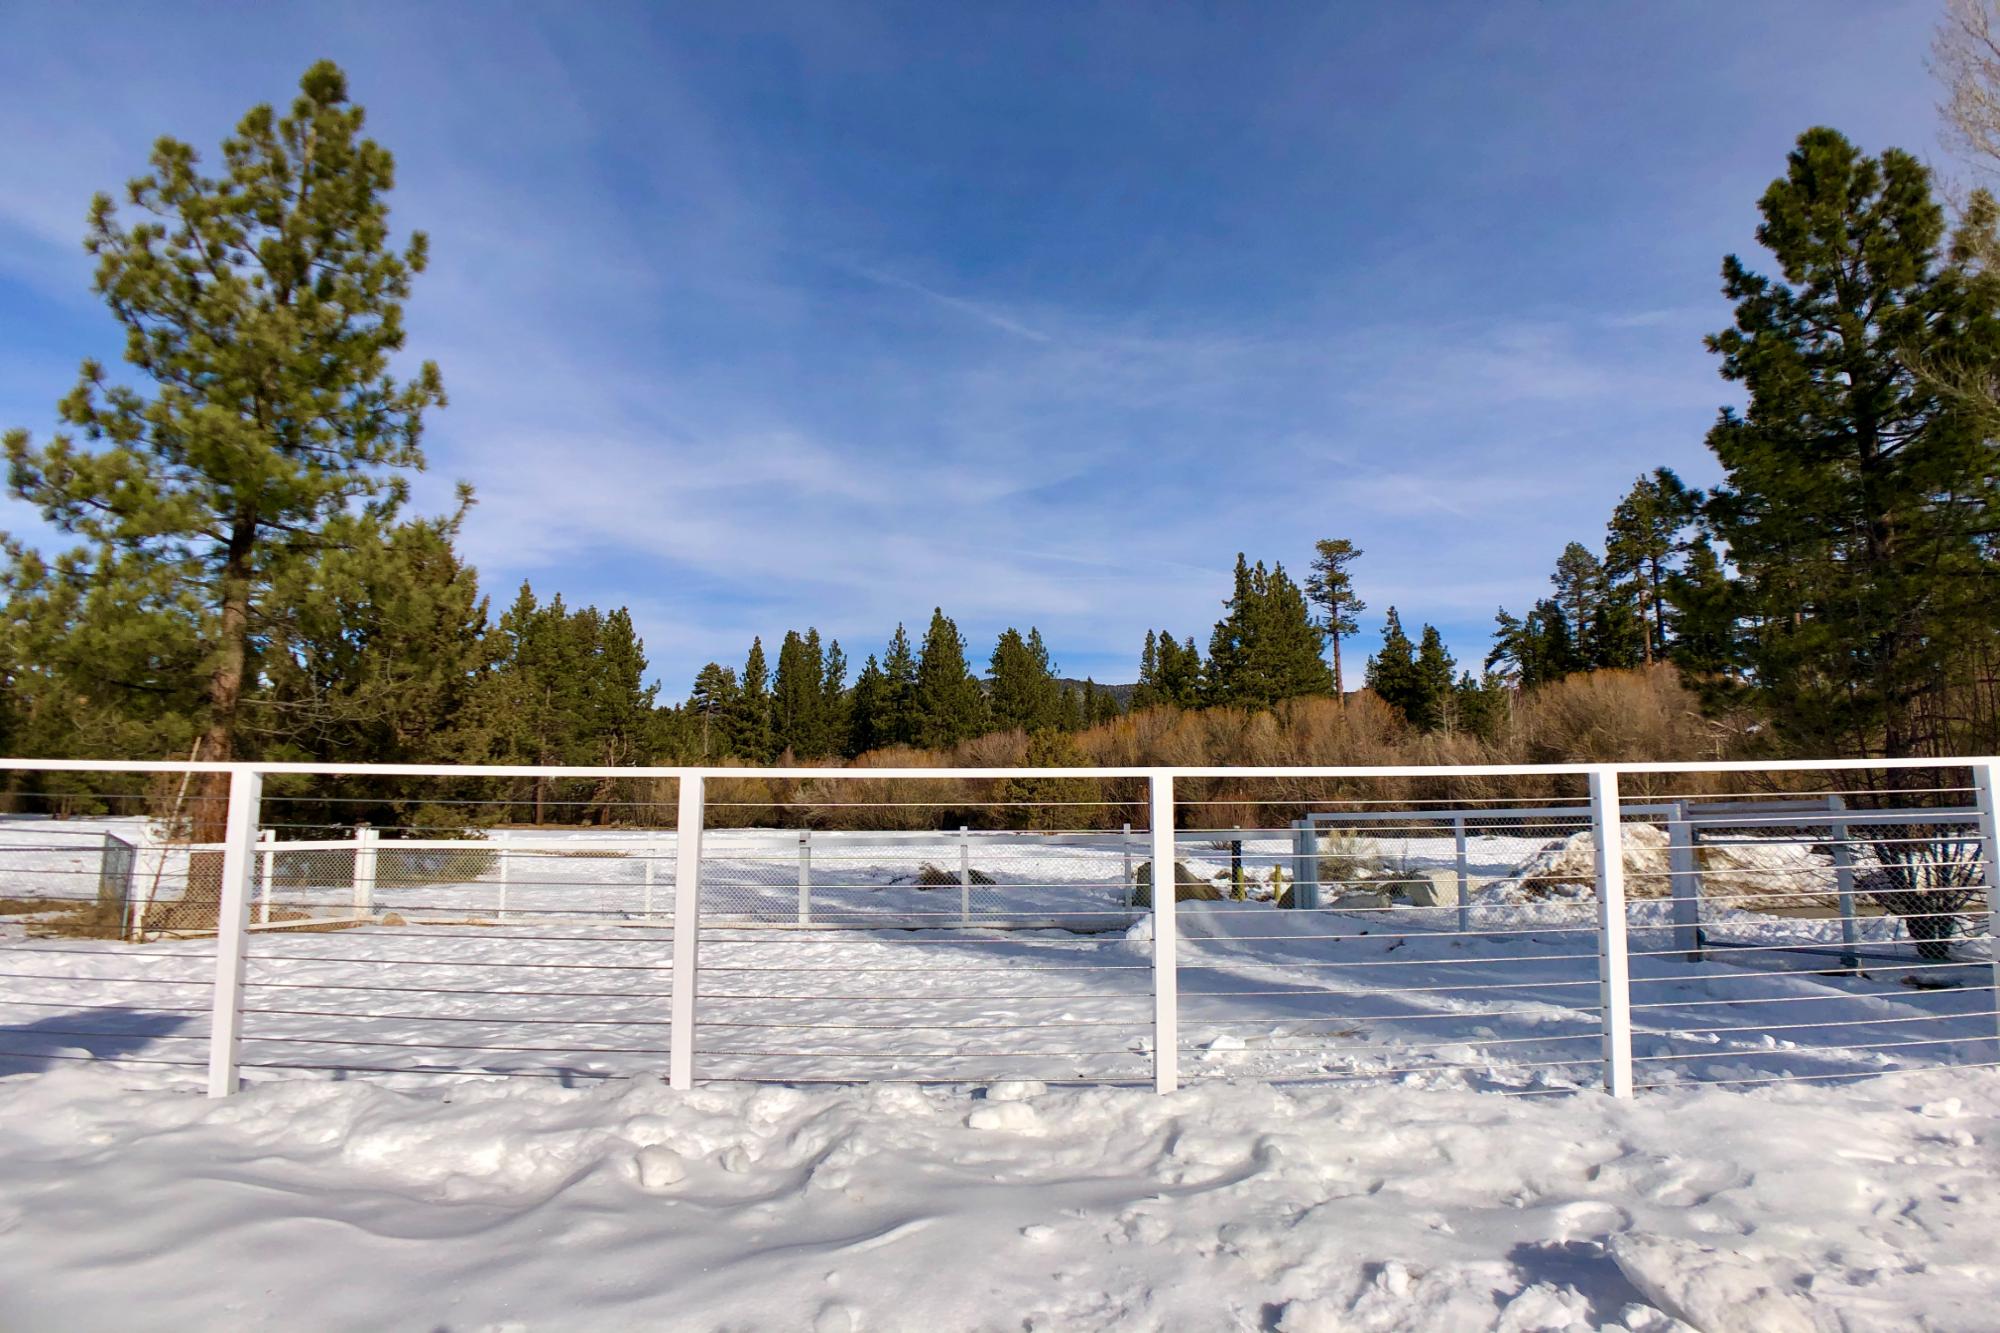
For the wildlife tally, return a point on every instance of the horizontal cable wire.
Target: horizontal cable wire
(1708, 978)
(496, 1020)
(451, 1070)
(1903, 997)
(448, 990)
(1767, 1028)
(6, 1000)
(1808, 1052)
(1813, 1078)
(1568, 1013)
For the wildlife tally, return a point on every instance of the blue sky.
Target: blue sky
(761, 316)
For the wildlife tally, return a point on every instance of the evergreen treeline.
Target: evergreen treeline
(926, 698)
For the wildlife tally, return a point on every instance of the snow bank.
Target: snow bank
(525, 1206)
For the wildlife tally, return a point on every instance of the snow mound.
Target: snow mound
(1749, 873)
(1223, 1206)
(1716, 1291)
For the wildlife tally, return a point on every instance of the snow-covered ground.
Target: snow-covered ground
(1341, 1159)
(522, 1205)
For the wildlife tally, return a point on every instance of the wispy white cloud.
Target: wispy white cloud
(971, 309)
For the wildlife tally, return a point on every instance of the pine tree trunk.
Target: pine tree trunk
(1339, 689)
(210, 818)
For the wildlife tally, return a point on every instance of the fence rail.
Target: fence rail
(1532, 945)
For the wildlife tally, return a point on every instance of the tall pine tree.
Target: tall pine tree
(1331, 589)
(264, 305)
(1858, 500)
(950, 706)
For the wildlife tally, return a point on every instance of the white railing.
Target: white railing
(817, 954)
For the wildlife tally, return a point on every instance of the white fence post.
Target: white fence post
(687, 923)
(1125, 842)
(1464, 876)
(805, 877)
(1166, 981)
(964, 876)
(1843, 883)
(232, 919)
(270, 859)
(1983, 781)
(1613, 963)
(1684, 881)
(364, 870)
(500, 839)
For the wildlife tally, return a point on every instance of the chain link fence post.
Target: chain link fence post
(805, 877)
(1463, 864)
(500, 840)
(364, 871)
(269, 877)
(1843, 883)
(1684, 880)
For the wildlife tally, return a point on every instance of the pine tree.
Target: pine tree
(1072, 713)
(1331, 589)
(1617, 634)
(1858, 498)
(1050, 802)
(1641, 543)
(1286, 647)
(896, 717)
(622, 702)
(1480, 706)
(1267, 648)
(104, 657)
(750, 728)
(1183, 679)
(1227, 656)
(1535, 649)
(1703, 615)
(950, 706)
(1430, 704)
(1023, 691)
(833, 702)
(714, 701)
(1392, 672)
(1579, 583)
(866, 709)
(1146, 694)
(796, 696)
(1103, 704)
(265, 305)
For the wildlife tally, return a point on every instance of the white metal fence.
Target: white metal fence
(1726, 924)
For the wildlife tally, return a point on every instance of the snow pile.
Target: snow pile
(1748, 873)
(528, 1206)
(1568, 869)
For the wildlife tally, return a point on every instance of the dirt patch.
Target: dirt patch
(66, 918)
